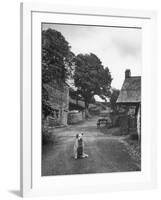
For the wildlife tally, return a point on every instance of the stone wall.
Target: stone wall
(76, 117)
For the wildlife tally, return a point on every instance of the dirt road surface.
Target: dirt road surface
(106, 153)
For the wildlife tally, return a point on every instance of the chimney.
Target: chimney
(127, 73)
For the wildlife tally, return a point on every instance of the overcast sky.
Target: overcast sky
(117, 48)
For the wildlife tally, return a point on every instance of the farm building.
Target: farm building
(130, 99)
(59, 102)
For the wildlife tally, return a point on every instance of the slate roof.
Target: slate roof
(131, 90)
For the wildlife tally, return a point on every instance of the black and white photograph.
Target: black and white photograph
(91, 99)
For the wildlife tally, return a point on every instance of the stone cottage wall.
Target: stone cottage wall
(59, 101)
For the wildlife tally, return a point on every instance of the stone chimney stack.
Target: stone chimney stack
(127, 73)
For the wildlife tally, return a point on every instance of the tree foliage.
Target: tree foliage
(91, 78)
(56, 62)
(56, 56)
(113, 98)
(74, 94)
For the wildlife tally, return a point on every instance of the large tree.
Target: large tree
(56, 62)
(113, 98)
(56, 56)
(91, 78)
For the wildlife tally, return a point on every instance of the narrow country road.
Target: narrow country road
(106, 153)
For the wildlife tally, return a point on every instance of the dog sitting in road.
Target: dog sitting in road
(79, 147)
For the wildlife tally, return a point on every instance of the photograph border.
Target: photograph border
(27, 10)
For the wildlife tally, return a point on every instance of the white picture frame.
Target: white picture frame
(32, 184)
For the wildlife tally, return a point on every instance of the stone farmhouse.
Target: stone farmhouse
(130, 99)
